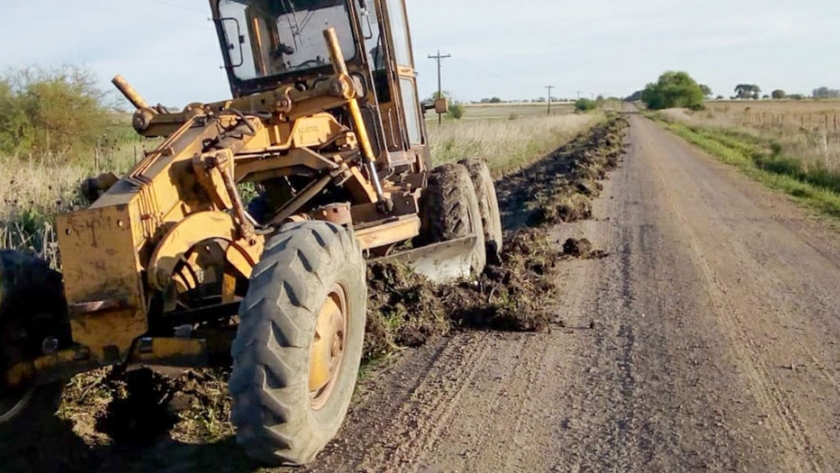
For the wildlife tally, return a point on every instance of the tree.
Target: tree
(495, 100)
(778, 94)
(56, 110)
(707, 92)
(673, 90)
(826, 93)
(747, 91)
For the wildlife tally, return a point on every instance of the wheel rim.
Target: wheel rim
(328, 347)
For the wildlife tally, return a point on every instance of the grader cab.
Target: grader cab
(173, 265)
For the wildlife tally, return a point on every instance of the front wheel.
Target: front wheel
(33, 321)
(299, 344)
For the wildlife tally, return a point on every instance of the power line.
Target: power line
(439, 60)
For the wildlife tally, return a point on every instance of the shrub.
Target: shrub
(456, 111)
(57, 110)
(673, 90)
(585, 105)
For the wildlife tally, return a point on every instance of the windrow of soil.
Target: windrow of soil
(108, 417)
(516, 292)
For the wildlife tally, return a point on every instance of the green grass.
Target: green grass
(762, 160)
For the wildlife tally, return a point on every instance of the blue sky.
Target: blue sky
(168, 49)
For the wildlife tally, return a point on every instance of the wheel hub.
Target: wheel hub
(327, 350)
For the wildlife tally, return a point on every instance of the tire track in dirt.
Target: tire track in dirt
(411, 408)
(767, 389)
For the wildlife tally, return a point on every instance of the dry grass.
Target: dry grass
(803, 130)
(34, 188)
(504, 111)
(506, 144)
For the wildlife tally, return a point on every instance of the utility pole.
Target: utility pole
(549, 87)
(439, 60)
(578, 92)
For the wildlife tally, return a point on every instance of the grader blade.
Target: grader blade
(441, 263)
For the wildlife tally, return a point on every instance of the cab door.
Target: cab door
(408, 107)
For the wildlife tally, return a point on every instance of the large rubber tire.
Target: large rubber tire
(451, 211)
(273, 409)
(488, 206)
(32, 310)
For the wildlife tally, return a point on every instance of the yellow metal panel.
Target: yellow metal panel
(190, 232)
(100, 263)
(389, 233)
(315, 131)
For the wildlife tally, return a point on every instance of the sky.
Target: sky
(168, 49)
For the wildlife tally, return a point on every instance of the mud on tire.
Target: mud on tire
(451, 211)
(488, 206)
(274, 410)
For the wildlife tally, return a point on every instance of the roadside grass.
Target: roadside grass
(764, 160)
(507, 144)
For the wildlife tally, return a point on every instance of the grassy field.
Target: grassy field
(792, 146)
(36, 187)
(507, 110)
(506, 144)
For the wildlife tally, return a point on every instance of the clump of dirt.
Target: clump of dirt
(408, 310)
(110, 407)
(582, 249)
(138, 412)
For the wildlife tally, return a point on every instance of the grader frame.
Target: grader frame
(155, 271)
(122, 255)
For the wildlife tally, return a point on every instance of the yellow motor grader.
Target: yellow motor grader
(173, 266)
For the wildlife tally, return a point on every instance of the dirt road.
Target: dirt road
(715, 345)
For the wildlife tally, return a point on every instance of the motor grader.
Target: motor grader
(246, 232)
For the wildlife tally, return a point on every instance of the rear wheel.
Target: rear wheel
(299, 344)
(451, 211)
(33, 321)
(488, 206)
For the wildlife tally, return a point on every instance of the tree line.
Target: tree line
(677, 89)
